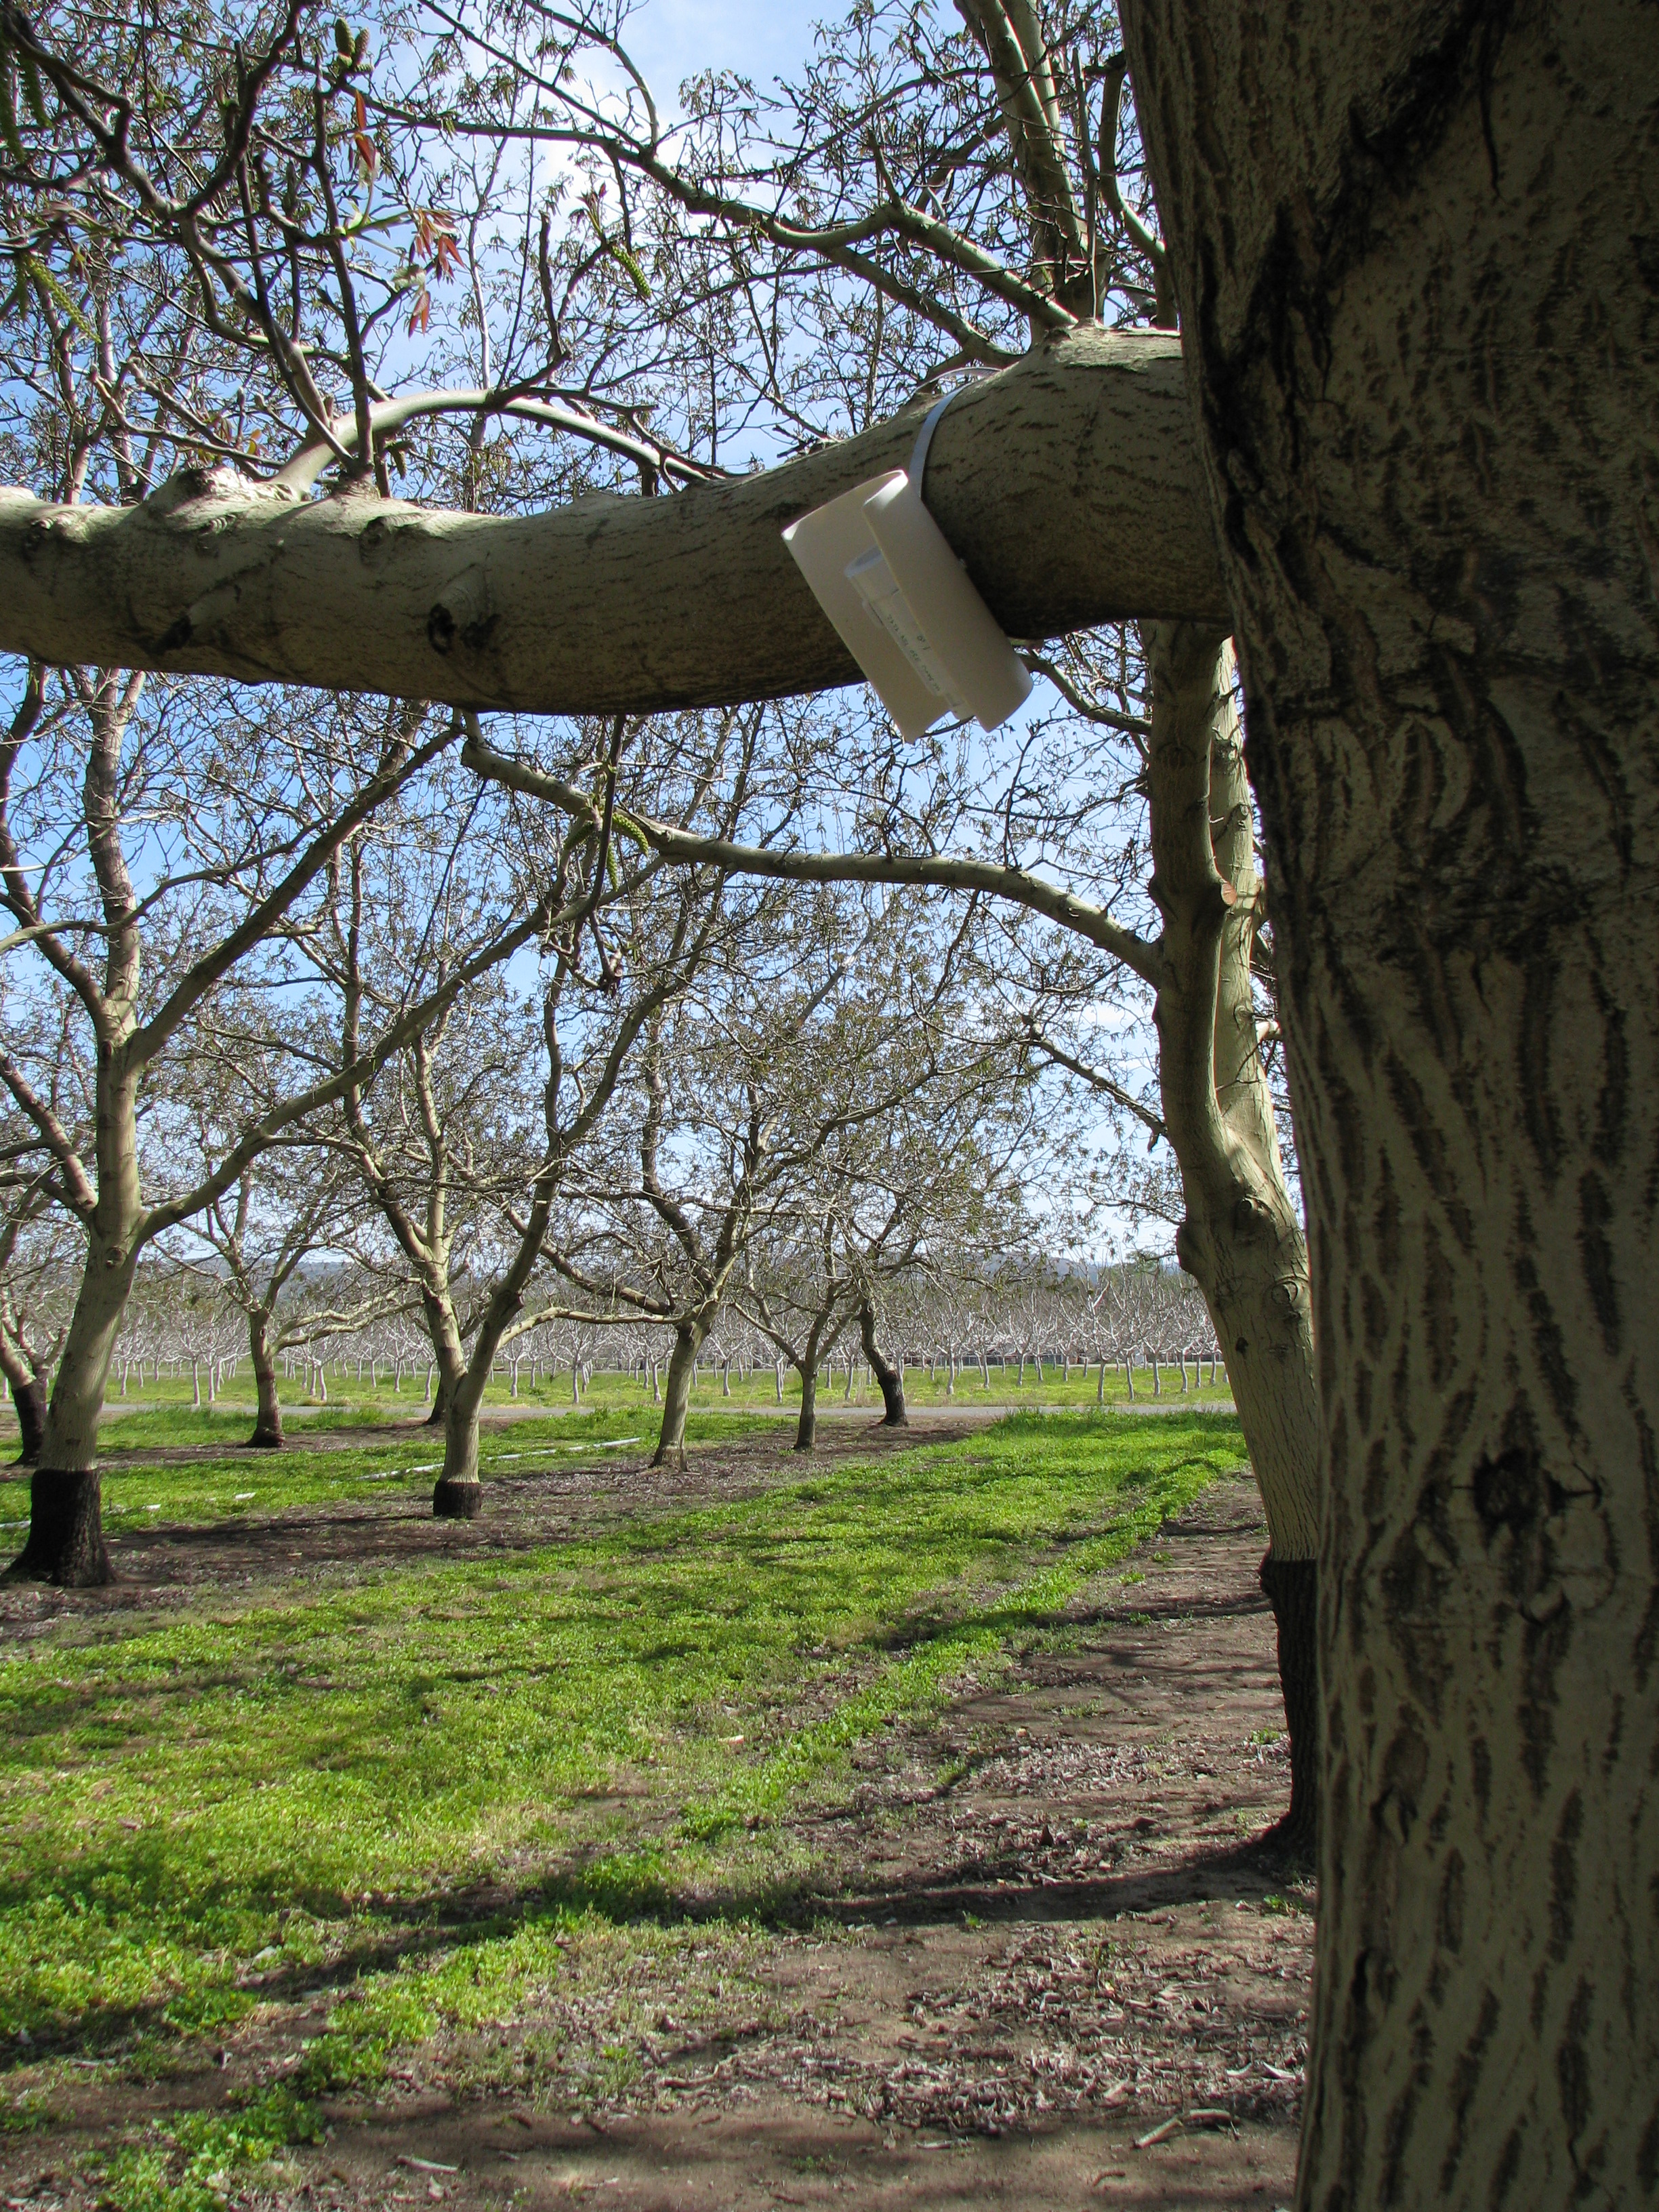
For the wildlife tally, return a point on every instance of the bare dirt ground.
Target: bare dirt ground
(1038, 1965)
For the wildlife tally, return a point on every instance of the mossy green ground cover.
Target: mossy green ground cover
(405, 1791)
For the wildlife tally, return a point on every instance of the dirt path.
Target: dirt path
(1033, 1940)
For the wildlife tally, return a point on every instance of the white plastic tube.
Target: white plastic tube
(878, 586)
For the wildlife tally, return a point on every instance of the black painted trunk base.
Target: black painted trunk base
(66, 1532)
(457, 1501)
(265, 1439)
(1292, 1589)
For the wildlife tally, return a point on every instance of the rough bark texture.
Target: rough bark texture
(890, 1378)
(268, 1416)
(1417, 256)
(66, 1531)
(456, 1499)
(1068, 483)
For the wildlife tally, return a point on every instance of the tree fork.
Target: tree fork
(1068, 483)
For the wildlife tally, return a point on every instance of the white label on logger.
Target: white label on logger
(876, 585)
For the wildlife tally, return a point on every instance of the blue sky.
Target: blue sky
(672, 38)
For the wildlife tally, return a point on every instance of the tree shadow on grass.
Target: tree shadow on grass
(417, 1930)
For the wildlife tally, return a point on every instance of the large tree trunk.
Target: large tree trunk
(434, 1419)
(1415, 253)
(1068, 484)
(806, 1428)
(677, 1392)
(65, 1541)
(458, 1494)
(268, 1415)
(29, 1399)
(1242, 1240)
(28, 1396)
(895, 1414)
(25, 1382)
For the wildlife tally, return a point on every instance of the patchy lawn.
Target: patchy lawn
(544, 1807)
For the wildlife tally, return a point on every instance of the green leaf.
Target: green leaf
(629, 264)
(54, 291)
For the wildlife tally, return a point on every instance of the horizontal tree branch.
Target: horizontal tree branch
(1068, 484)
(1096, 1081)
(943, 871)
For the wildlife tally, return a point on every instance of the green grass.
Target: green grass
(198, 1814)
(209, 1489)
(163, 1413)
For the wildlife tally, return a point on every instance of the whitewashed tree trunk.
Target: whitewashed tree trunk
(1414, 254)
(1241, 1239)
